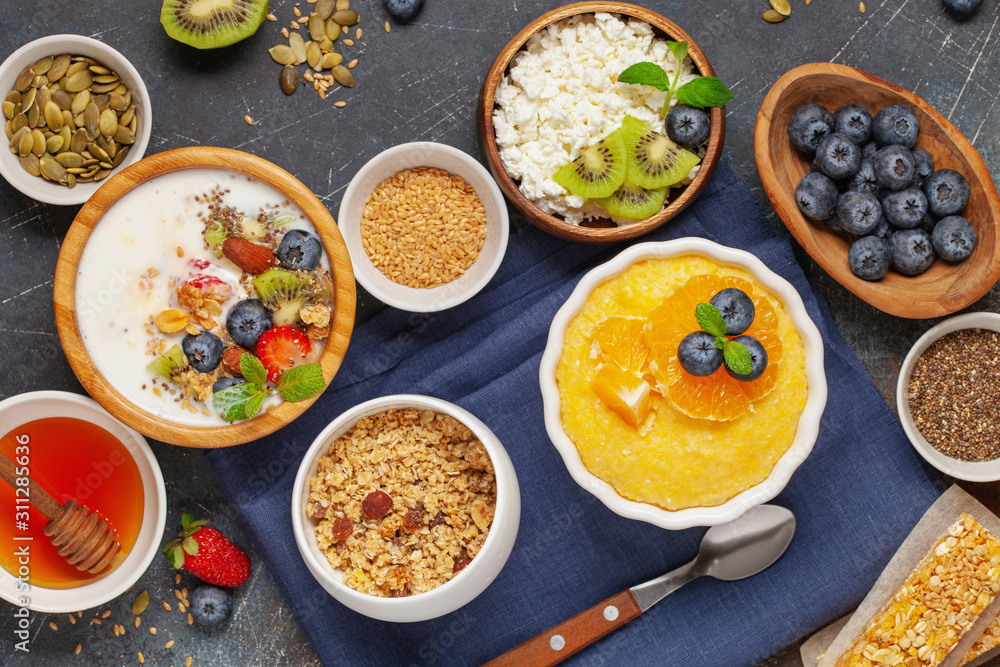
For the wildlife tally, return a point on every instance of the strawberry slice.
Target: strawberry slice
(280, 348)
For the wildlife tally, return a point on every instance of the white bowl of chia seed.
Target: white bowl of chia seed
(948, 396)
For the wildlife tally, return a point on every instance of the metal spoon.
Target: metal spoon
(732, 551)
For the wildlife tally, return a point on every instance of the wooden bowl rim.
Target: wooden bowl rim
(916, 307)
(555, 225)
(182, 159)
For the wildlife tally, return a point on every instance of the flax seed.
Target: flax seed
(352, 64)
(97, 621)
(166, 605)
(340, 104)
(138, 621)
(190, 621)
(188, 662)
(72, 619)
(357, 35)
(861, 8)
(107, 612)
(52, 624)
(141, 658)
(169, 644)
(272, 17)
(248, 120)
(79, 647)
(388, 28)
(349, 42)
(152, 630)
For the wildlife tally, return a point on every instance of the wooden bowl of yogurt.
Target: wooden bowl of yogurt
(140, 237)
(562, 223)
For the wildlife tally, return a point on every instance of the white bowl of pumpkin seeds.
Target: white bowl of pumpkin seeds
(86, 112)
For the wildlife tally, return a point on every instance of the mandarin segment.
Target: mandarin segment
(621, 341)
(626, 394)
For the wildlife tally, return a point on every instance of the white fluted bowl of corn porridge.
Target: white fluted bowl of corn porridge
(676, 470)
(405, 508)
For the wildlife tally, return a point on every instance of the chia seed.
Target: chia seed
(955, 395)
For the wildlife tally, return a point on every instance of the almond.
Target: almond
(231, 360)
(250, 257)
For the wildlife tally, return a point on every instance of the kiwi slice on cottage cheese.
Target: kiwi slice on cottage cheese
(633, 202)
(653, 160)
(599, 169)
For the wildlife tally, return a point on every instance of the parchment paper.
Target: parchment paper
(938, 518)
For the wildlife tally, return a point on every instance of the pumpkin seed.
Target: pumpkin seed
(19, 121)
(91, 163)
(108, 146)
(8, 110)
(332, 30)
(80, 102)
(324, 8)
(62, 99)
(343, 76)
(781, 6)
(108, 122)
(346, 17)
(122, 135)
(53, 116)
(53, 144)
(79, 81)
(69, 159)
(15, 138)
(58, 69)
(13, 96)
(102, 174)
(79, 142)
(38, 142)
(34, 115)
(313, 56)
(107, 165)
(23, 80)
(66, 134)
(42, 98)
(331, 60)
(133, 125)
(91, 118)
(77, 66)
(70, 181)
(343, 4)
(288, 79)
(117, 102)
(75, 170)
(317, 30)
(772, 16)
(28, 99)
(30, 164)
(51, 169)
(282, 54)
(99, 69)
(68, 121)
(98, 152)
(325, 44)
(298, 46)
(106, 78)
(103, 87)
(102, 101)
(26, 143)
(7, 130)
(126, 117)
(43, 65)
(120, 157)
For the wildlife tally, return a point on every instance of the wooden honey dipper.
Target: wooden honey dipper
(75, 531)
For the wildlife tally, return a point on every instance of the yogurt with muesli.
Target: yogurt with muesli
(148, 245)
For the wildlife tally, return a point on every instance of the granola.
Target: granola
(441, 485)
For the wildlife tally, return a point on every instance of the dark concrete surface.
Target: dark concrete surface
(421, 81)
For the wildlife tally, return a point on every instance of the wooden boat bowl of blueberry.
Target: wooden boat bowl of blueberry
(890, 198)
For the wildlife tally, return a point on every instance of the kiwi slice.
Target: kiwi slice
(215, 235)
(652, 159)
(210, 24)
(598, 171)
(165, 364)
(633, 202)
(285, 294)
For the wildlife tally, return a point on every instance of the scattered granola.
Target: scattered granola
(404, 501)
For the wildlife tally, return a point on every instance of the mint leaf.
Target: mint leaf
(232, 403)
(647, 74)
(252, 369)
(252, 407)
(679, 49)
(737, 357)
(720, 342)
(706, 91)
(710, 319)
(301, 382)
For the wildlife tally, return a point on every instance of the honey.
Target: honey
(69, 458)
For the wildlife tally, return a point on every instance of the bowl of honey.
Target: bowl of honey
(74, 450)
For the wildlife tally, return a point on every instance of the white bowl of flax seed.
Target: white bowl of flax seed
(426, 226)
(948, 396)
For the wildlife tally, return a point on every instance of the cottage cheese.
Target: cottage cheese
(562, 94)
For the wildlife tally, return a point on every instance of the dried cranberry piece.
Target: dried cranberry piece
(377, 504)
(342, 528)
(414, 519)
(461, 564)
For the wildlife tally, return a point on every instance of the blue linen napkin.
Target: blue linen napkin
(856, 497)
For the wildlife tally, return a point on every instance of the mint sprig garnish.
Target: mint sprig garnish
(301, 382)
(241, 401)
(710, 319)
(705, 91)
(737, 356)
(252, 369)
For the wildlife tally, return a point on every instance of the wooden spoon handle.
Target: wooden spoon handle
(555, 645)
(39, 497)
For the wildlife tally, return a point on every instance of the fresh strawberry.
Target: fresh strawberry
(208, 554)
(281, 348)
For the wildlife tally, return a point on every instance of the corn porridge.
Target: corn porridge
(669, 458)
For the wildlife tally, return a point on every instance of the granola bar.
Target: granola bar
(936, 605)
(987, 641)
(404, 501)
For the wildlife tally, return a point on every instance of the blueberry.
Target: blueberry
(299, 250)
(858, 212)
(211, 605)
(864, 180)
(962, 8)
(758, 358)
(838, 157)
(947, 192)
(883, 230)
(954, 238)
(808, 126)
(403, 10)
(869, 257)
(905, 209)
(816, 196)
(736, 308)
(203, 352)
(698, 354)
(687, 126)
(912, 251)
(895, 124)
(854, 122)
(247, 321)
(925, 165)
(226, 383)
(895, 167)
(868, 152)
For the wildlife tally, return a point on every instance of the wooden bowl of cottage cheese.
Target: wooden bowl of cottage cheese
(621, 34)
